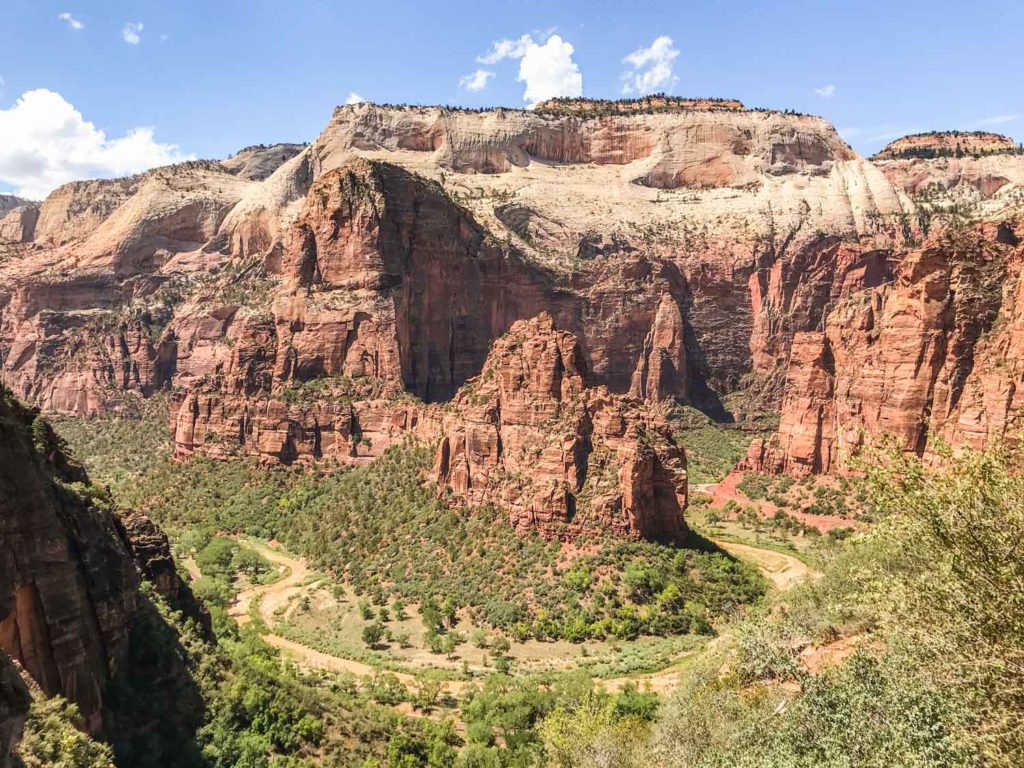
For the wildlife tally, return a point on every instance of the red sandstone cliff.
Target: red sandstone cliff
(933, 354)
(296, 297)
(528, 436)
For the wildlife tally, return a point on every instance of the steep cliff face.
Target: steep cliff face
(530, 437)
(69, 586)
(386, 288)
(911, 359)
(590, 213)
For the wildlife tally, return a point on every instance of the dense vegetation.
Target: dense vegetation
(916, 640)
(712, 448)
(381, 530)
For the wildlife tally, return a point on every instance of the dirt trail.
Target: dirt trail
(783, 570)
(272, 596)
(279, 594)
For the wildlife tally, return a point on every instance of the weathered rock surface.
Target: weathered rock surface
(693, 248)
(69, 586)
(547, 211)
(530, 437)
(18, 225)
(258, 162)
(933, 353)
(151, 550)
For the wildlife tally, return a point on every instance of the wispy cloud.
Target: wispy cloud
(826, 91)
(547, 69)
(651, 68)
(506, 49)
(131, 32)
(71, 21)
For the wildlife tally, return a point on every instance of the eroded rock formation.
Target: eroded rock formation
(304, 302)
(530, 437)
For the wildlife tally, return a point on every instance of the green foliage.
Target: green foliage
(373, 634)
(116, 450)
(930, 605)
(379, 529)
(53, 739)
(712, 448)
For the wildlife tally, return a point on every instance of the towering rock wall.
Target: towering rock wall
(69, 586)
(932, 354)
(590, 214)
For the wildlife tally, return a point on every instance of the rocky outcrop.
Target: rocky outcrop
(530, 437)
(69, 586)
(947, 143)
(680, 147)
(911, 360)
(388, 288)
(15, 699)
(151, 550)
(258, 162)
(145, 283)
(18, 225)
(661, 372)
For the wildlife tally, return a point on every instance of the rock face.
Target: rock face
(69, 586)
(151, 551)
(311, 302)
(258, 162)
(530, 437)
(932, 354)
(18, 225)
(15, 700)
(138, 284)
(661, 372)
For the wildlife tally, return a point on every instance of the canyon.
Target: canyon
(533, 291)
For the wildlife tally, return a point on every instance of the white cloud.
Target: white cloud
(71, 21)
(476, 81)
(651, 68)
(354, 98)
(826, 91)
(548, 70)
(131, 32)
(506, 49)
(45, 142)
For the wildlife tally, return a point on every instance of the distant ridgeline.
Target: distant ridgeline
(658, 102)
(927, 146)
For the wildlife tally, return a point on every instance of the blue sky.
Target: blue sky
(210, 77)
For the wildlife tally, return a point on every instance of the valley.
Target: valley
(666, 431)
